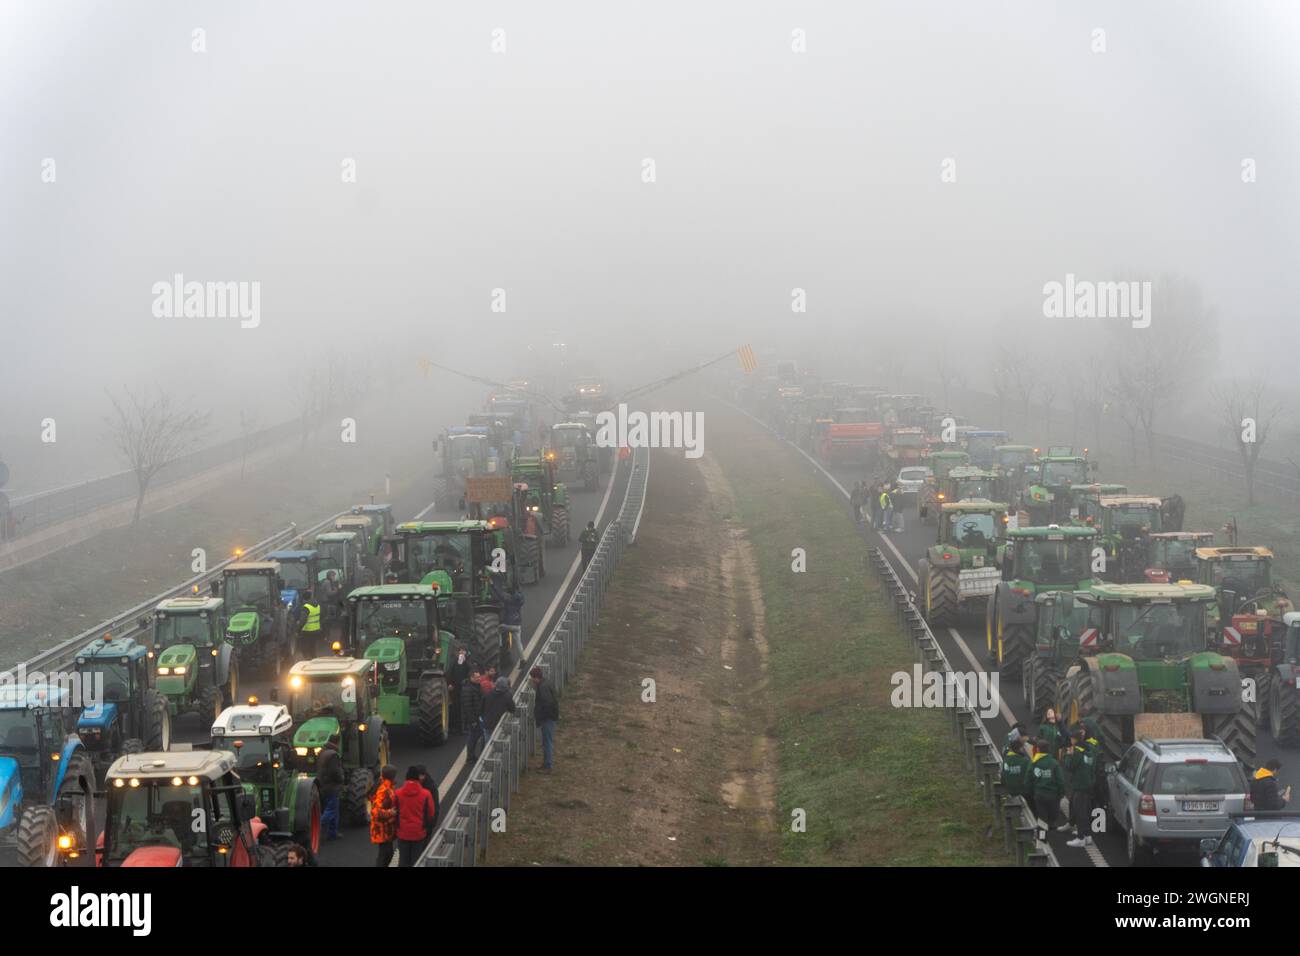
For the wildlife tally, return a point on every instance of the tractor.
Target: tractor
(299, 573)
(941, 463)
(195, 670)
(467, 452)
(1146, 667)
(1124, 523)
(1084, 500)
(47, 780)
(1050, 558)
(130, 716)
(370, 530)
(479, 559)
(336, 697)
(548, 499)
(258, 625)
(1045, 497)
(904, 445)
(287, 799)
(505, 507)
(1249, 617)
(343, 553)
(982, 445)
(1009, 463)
(961, 571)
(1283, 694)
(852, 435)
(964, 482)
(1062, 619)
(183, 808)
(398, 627)
(1171, 555)
(572, 450)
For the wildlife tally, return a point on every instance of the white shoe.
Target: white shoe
(1076, 842)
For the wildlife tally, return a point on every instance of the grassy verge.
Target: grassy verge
(880, 786)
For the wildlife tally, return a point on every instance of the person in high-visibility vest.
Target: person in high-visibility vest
(311, 626)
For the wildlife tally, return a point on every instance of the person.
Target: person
(1050, 731)
(1263, 788)
(512, 618)
(471, 704)
(1045, 787)
(1080, 767)
(414, 817)
(886, 509)
(329, 777)
(431, 785)
(855, 503)
(546, 711)
(495, 706)
(457, 675)
(874, 496)
(1015, 765)
(588, 541)
(296, 855)
(329, 599)
(311, 623)
(383, 816)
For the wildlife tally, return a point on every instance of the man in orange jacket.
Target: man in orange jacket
(383, 817)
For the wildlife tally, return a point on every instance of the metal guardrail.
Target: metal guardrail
(983, 756)
(462, 837)
(125, 624)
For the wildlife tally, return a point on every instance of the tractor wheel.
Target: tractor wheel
(990, 631)
(38, 834)
(1284, 711)
(1240, 731)
(940, 596)
(431, 711)
(487, 638)
(354, 802)
(1015, 644)
(1039, 685)
(273, 854)
(157, 722)
(559, 527)
(530, 555)
(210, 706)
(133, 746)
(231, 688)
(1081, 700)
(306, 819)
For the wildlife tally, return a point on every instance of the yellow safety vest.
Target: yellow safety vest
(313, 617)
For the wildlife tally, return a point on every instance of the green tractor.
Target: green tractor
(287, 800)
(548, 498)
(195, 670)
(1124, 524)
(1172, 555)
(1062, 619)
(1051, 558)
(399, 627)
(344, 553)
(1083, 500)
(941, 463)
(337, 696)
(982, 445)
(961, 571)
(1146, 668)
(475, 555)
(573, 450)
(966, 482)
(131, 716)
(258, 625)
(1009, 463)
(1046, 495)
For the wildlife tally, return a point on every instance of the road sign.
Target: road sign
(487, 488)
(748, 361)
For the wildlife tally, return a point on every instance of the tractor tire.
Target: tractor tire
(559, 536)
(273, 854)
(306, 821)
(1080, 700)
(157, 722)
(38, 834)
(230, 690)
(1016, 644)
(940, 596)
(1240, 731)
(354, 801)
(990, 631)
(487, 638)
(1039, 685)
(133, 746)
(211, 703)
(1284, 711)
(431, 721)
(530, 555)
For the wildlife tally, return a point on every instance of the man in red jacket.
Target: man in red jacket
(415, 816)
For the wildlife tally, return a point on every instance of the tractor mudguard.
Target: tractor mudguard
(11, 792)
(1215, 684)
(221, 666)
(937, 560)
(1014, 608)
(1115, 678)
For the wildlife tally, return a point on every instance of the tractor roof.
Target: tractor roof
(1182, 536)
(302, 555)
(331, 667)
(260, 720)
(112, 647)
(973, 505)
(432, 527)
(336, 536)
(23, 696)
(1232, 553)
(1145, 593)
(188, 605)
(353, 521)
(950, 453)
(256, 567)
(1028, 448)
(1097, 488)
(581, 425)
(985, 433)
(376, 508)
(375, 592)
(1126, 501)
(1061, 458)
(969, 471)
(1053, 532)
(1049, 597)
(209, 764)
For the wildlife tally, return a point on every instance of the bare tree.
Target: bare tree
(150, 433)
(1249, 413)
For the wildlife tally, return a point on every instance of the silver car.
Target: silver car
(1174, 792)
(911, 479)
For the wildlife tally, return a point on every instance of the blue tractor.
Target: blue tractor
(47, 780)
(299, 573)
(125, 715)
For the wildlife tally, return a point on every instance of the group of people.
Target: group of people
(881, 499)
(1054, 764)
(402, 819)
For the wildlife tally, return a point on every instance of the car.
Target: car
(1256, 839)
(911, 479)
(1167, 793)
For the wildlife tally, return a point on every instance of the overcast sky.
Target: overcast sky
(524, 170)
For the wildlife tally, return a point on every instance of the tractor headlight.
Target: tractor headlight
(164, 671)
(392, 665)
(179, 670)
(300, 751)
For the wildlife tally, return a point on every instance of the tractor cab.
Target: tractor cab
(1049, 557)
(257, 627)
(299, 573)
(466, 551)
(1250, 606)
(982, 445)
(966, 481)
(344, 553)
(194, 667)
(367, 529)
(127, 713)
(943, 462)
(1062, 623)
(1084, 500)
(185, 808)
(331, 696)
(1173, 555)
(1149, 622)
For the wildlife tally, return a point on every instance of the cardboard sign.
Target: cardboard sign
(488, 488)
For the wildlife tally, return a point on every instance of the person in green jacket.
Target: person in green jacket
(1080, 776)
(1050, 731)
(1046, 785)
(1092, 739)
(1015, 769)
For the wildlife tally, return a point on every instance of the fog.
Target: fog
(523, 170)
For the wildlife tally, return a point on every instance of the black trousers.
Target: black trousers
(1081, 811)
(385, 853)
(1047, 809)
(408, 851)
